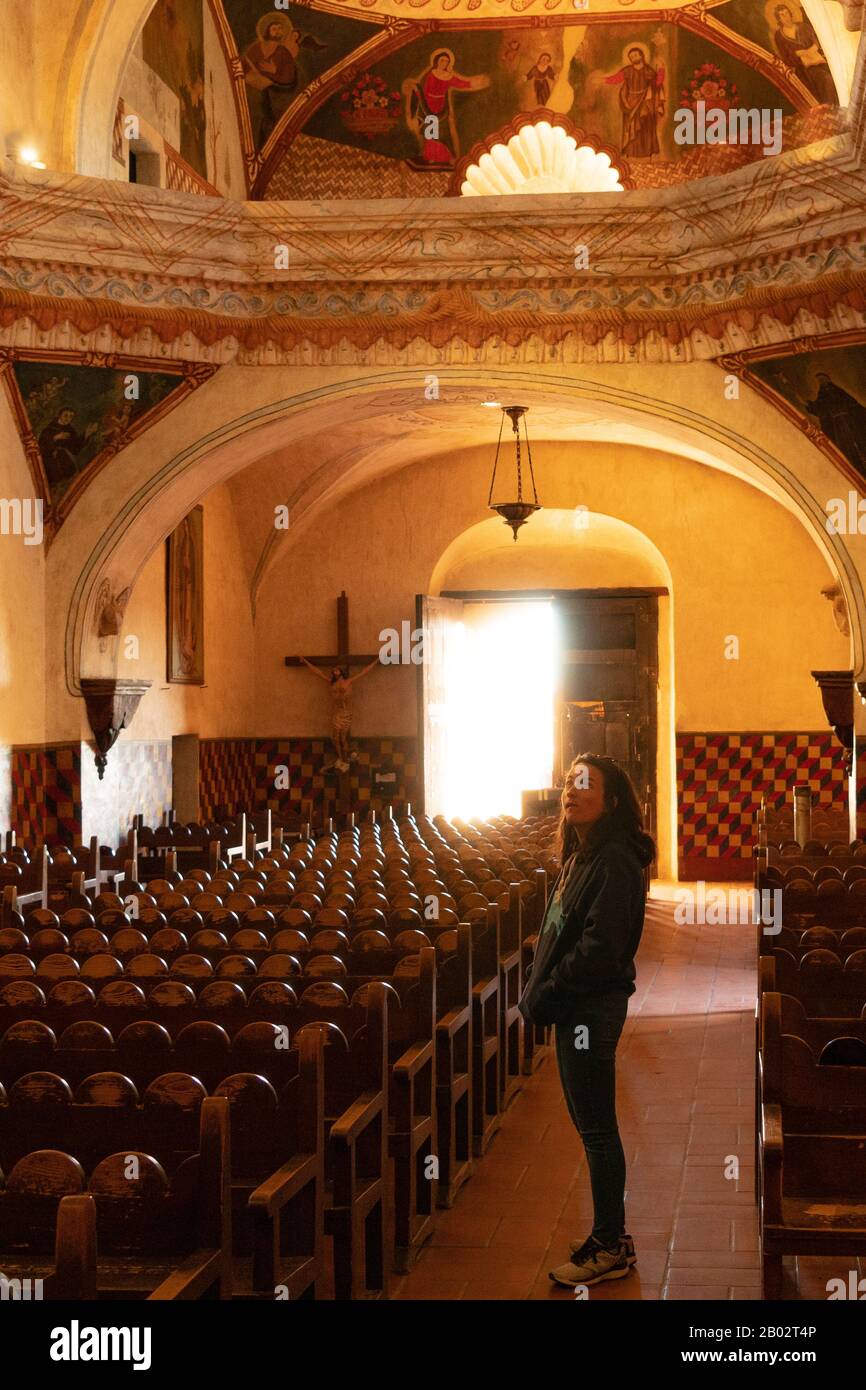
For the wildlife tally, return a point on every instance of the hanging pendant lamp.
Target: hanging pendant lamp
(515, 514)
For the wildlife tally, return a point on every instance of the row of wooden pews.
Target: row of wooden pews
(62, 878)
(200, 1021)
(811, 1057)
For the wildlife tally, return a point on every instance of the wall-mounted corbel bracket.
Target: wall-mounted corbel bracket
(111, 706)
(837, 693)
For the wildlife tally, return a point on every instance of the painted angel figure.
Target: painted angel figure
(341, 684)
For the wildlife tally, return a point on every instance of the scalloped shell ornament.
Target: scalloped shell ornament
(541, 158)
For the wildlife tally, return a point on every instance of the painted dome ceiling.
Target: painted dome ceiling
(384, 98)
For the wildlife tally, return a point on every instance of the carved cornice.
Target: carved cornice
(692, 266)
(441, 315)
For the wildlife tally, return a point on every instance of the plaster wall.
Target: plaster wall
(223, 706)
(743, 624)
(745, 579)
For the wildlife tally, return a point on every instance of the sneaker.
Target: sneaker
(625, 1241)
(591, 1264)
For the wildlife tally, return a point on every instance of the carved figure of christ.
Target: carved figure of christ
(335, 670)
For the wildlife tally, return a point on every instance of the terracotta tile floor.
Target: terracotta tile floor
(685, 1101)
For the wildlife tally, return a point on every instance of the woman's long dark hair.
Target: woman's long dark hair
(622, 816)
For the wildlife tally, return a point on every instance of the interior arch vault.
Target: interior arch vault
(365, 426)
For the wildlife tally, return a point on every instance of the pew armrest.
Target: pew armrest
(772, 1152)
(192, 1279)
(359, 1115)
(484, 989)
(272, 1195)
(451, 1023)
(75, 1250)
(413, 1060)
(771, 1128)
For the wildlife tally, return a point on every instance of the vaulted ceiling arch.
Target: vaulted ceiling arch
(119, 524)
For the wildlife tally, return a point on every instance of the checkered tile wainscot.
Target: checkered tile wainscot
(722, 777)
(46, 793)
(315, 794)
(226, 776)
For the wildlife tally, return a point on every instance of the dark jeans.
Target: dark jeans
(588, 1074)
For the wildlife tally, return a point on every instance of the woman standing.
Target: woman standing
(580, 981)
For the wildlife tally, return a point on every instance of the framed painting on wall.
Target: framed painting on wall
(185, 601)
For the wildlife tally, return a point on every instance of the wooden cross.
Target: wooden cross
(343, 657)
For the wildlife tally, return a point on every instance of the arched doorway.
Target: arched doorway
(562, 644)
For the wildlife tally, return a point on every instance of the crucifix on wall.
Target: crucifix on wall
(335, 670)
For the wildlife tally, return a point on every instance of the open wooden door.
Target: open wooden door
(438, 619)
(610, 684)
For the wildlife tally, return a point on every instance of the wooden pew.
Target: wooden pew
(278, 1176)
(472, 1017)
(412, 1136)
(357, 1204)
(132, 1234)
(813, 1151)
(278, 1183)
(535, 1037)
(454, 1061)
(57, 884)
(486, 1055)
(508, 900)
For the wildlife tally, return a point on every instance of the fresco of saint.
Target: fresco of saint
(270, 66)
(797, 45)
(642, 103)
(841, 417)
(60, 444)
(429, 107)
(78, 413)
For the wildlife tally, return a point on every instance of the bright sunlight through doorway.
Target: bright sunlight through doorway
(499, 684)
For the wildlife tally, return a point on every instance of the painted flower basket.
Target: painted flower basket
(370, 108)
